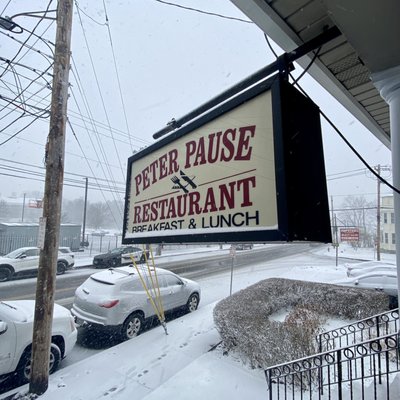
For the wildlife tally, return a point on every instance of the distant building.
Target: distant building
(15, 235)
(18, 209)
(388, 234)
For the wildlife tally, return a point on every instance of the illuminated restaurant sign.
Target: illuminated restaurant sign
(223, 177)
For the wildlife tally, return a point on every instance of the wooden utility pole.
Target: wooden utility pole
(84, 214)
(54, 157)
(378, 217)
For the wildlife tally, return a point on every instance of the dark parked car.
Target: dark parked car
(120, 256)
(244, 246)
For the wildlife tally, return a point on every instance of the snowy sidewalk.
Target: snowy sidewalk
(155, 366)
(119, 373)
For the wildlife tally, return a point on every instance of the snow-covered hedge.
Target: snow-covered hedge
(244, 323)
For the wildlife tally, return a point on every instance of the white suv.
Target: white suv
(26, 259)
(16, 328)
(116, 300)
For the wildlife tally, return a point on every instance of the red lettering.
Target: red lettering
(190, 149)
(163, 166)
(227, 197)
(201, 153)
(146, 208)
(243, 144)
(209, 204)
(181, 205)
(163, 204)
(213, 148)
(173, 165)
(229, 146)
(146, 180)
(152, 168)
(138, 181)
(246, 190)
(136, 215)
(154, 211)
(171, 209)
(194, 208)
(158, 169)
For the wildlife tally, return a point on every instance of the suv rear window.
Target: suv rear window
(102, 281)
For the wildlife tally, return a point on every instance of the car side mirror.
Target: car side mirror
(3, 327)
(22, 256)
(356, 282)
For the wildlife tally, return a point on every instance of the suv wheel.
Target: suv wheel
(61, 267)
(5, 274)
(24, 366)
(132, 326)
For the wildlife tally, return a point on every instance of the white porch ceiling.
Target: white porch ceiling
(369, 43)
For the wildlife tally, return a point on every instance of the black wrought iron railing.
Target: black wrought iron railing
(360, 331)
(343, 373)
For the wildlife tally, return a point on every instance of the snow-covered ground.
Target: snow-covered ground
(179, 365)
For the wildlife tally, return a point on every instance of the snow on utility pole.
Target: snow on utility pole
(55, 150)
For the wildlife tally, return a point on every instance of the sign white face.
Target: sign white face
(218, 178)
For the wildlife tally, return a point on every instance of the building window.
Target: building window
(393, 238)
(386, 238)
(384, 218)
(392, 218)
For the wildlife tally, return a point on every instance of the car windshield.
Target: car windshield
(14, 254)
(118, 250)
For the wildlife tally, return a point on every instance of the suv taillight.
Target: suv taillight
(109, 303)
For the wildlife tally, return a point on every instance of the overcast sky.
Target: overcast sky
(169, 61)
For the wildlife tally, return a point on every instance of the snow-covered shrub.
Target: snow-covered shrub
(301, 325)
(245, 324)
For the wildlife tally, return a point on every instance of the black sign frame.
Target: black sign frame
(301, 193)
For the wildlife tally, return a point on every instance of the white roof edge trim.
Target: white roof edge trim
(270, 23)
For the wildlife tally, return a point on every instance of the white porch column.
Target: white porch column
(388, 83)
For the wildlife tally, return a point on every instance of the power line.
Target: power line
(45, 41)
(99, 89)
(109, 208)
(18, 132)
(44, 55)
(67, 152)
(79, 116)
(27, 39)
(117, 74)
(88, 110)
(83, 12)
(65, 172)
(5, 7)
(346, 172)
(346, 176)
(341, 135)
(204, 12)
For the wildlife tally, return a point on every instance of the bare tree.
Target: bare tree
(357, 212)
(72, 211)
(98, 215)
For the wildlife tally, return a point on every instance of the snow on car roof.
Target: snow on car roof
(367, 264)
(13, 311)
(113, 275)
